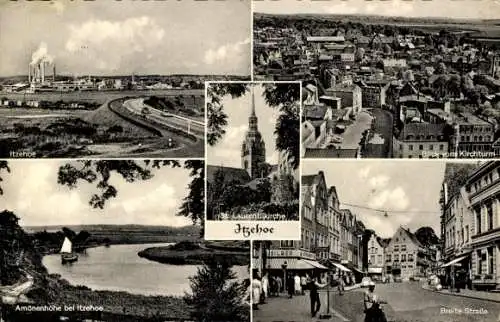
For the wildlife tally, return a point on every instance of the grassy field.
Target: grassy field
(195, 254)
(99, 97)
(109, 305)
(130, 234)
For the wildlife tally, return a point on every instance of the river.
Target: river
(119, 268)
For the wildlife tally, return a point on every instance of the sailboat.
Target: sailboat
(67, 255)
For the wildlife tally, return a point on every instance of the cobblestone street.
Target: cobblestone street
(407, 302)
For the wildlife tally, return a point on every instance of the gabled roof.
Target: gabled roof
(333, 191)
(412, 237)
(331, 153)
(230, 174)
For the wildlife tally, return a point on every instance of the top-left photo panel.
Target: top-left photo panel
(115, 79)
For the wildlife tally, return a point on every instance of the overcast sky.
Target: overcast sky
(469, 9)
(227, 152)
(31, 191)
(409, 186)
(124, 37)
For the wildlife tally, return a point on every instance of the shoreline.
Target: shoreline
(73, 301)
(109, 305)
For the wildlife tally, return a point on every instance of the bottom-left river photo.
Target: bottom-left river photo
(114, 240)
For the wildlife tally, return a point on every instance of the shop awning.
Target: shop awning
(455, 262)
(375, 270)
(315, 264)
(291, 263)
(341, 267)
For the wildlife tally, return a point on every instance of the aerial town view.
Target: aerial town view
(387, 241)
(110, 79)
(397, 79)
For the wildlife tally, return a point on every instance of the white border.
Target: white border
(225, 230)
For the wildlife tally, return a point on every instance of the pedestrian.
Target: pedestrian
(256, 291)
(303, 284)
(341, 285)
(265, 287)
(297, 286)
(314, 286)
(272, 286)
(290, 284)
(279, 284)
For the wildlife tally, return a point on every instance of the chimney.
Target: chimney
(29, 73)
(445, 190)
(54, 73)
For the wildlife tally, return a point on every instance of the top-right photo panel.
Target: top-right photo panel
(387, 79)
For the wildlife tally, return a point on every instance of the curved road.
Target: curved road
(187, 148)
(184, 124)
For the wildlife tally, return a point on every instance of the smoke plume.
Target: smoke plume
(41, 55)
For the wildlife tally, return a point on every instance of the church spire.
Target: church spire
(253, 102)
(252, 120)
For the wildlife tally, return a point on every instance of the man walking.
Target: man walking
(314, 286)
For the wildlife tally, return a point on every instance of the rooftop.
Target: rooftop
(315, 112)
(331, 153)
(230, 174)
(422, 132)
(326, 38)
(467, 118)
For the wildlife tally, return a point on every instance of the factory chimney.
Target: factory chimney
(29, 73)
(54, 73)
(42, 67)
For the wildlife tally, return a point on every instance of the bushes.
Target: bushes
(215, 294)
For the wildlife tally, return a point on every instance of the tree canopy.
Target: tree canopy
(426, 236)
(98, 172)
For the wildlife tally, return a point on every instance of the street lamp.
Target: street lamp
(284, 266)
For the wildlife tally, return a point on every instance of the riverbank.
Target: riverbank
(190, 253)
(80, 302)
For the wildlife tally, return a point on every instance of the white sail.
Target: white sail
(66, 246)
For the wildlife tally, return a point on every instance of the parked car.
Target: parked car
(398, 279)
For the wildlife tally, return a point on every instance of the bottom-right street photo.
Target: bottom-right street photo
(387, 240)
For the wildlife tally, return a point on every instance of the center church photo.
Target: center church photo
(251, 172)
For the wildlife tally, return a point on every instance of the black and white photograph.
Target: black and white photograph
(253, 156)
(394, 240)
(114, 240)
(387, 79)
(115, 79)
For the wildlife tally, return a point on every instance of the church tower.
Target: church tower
(253, 149)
